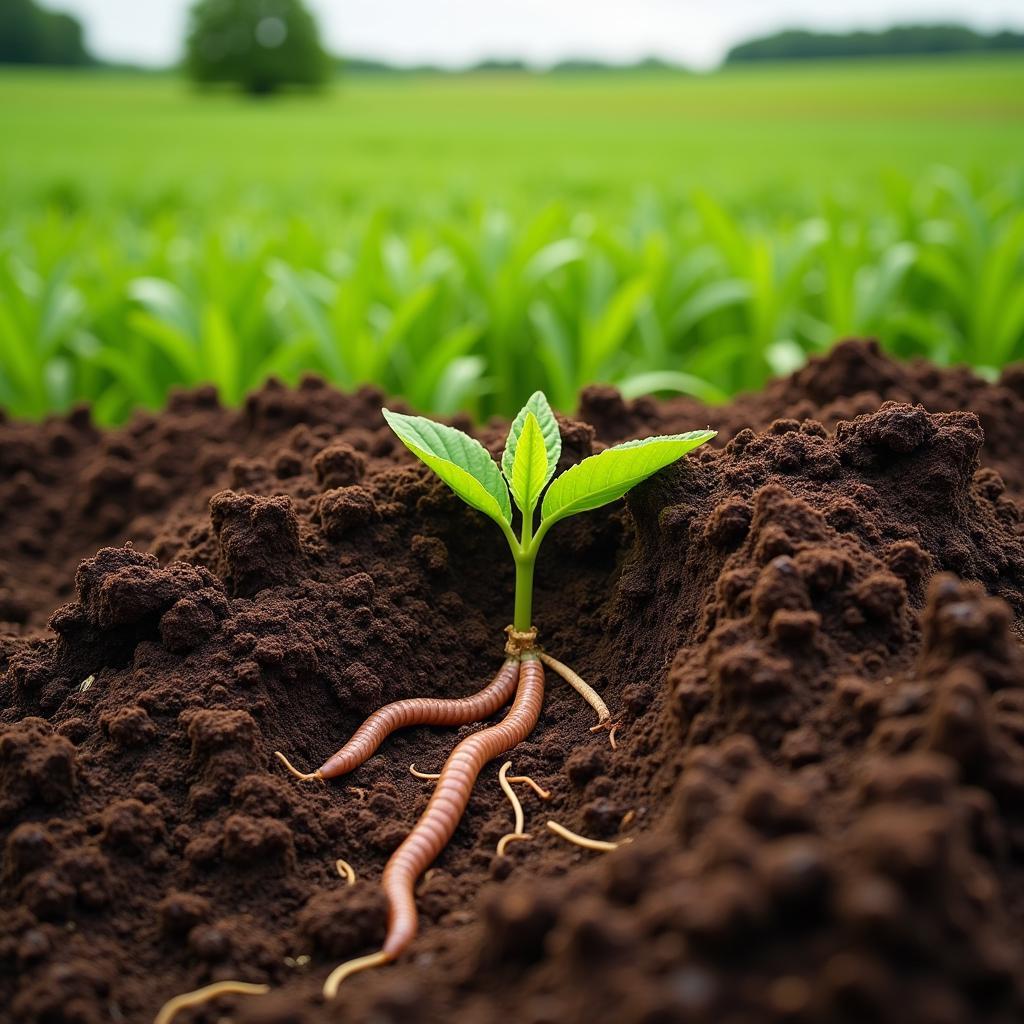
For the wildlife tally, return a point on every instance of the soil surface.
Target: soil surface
(810, 630)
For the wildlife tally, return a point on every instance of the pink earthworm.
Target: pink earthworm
(443, 813)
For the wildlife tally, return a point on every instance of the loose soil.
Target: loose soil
(810, 629)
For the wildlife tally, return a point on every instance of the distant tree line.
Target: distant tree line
(901, 40)
(501, 65)
(31, 35)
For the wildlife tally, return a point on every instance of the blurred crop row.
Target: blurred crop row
(475, 308)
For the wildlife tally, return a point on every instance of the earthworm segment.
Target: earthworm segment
(414, 711)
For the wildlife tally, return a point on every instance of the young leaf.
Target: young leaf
(538, 405)
(529, 466)
(459, 460)
(610, 474)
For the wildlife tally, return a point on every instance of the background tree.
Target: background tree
(260, 45)
(30, 35)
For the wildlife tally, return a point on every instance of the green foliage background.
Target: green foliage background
(463, 241)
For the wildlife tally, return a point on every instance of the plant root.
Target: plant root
(517, 810)
(346, 871)
(544, 794)
(304, 776)
(170, 1009)
(587, 844)
(350, 967)
(517, 807)
(429, 776)
(587, 692)
(511, 837)
(612, 727)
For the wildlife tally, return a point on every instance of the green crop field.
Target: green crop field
(463, 240)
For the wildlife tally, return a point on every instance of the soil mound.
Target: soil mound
(810, 630)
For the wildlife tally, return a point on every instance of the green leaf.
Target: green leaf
(529, 467)
(610, 474)
(538, 405)
(461, 461)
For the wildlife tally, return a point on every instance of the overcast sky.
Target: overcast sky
(696, 32)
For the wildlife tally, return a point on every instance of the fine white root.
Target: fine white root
(517, 807)
(346, 970)
(587, 692)
(587, 844)
(517, 810)
(512, 837)
(360, 793)
(346, 871)
(202, 995)
(305, 776)
(612, 727)
(543, 793)
(430, 776)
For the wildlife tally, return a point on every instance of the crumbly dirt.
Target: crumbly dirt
(810, 631)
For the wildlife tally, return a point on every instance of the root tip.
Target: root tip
(170, 1009)
(585, 841)
(345, 870)
(346, 970)
(512, 837)
(304, 776)
(609, 725)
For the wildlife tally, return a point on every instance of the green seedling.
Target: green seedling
(528, 464)
(525, 479)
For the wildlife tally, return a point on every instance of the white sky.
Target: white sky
(695, 32)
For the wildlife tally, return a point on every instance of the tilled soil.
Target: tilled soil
(810, 631)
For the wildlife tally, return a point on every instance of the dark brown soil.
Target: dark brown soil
(810, 630)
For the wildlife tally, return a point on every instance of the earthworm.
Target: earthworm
(438, 822)
(414, 711)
